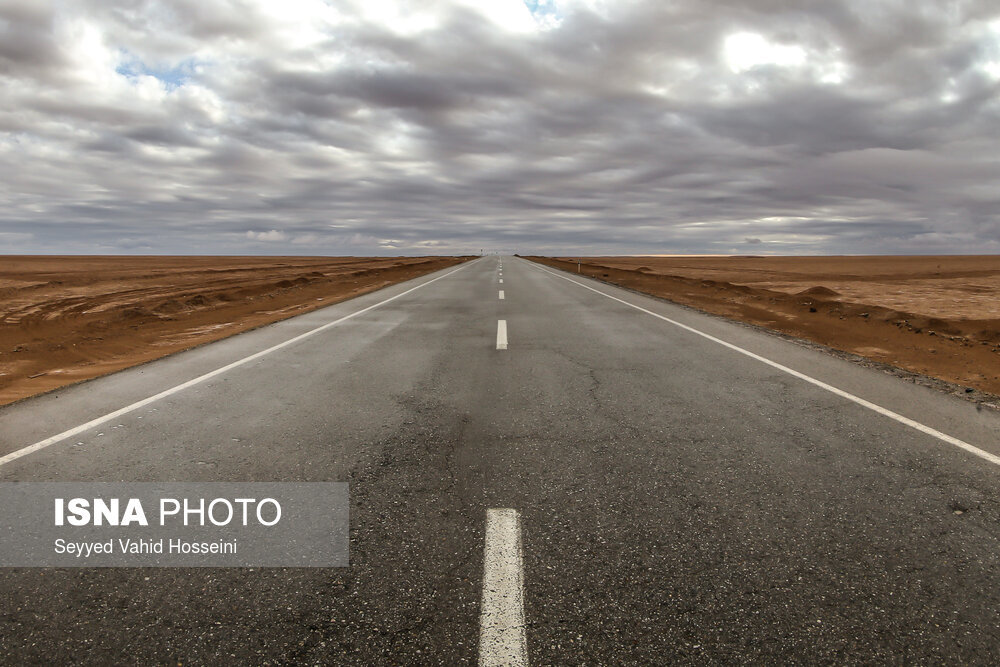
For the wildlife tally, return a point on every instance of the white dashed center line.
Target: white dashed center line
(501, 334)
(501, 295)
(502, 639)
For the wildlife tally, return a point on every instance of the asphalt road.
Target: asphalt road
(679, 500)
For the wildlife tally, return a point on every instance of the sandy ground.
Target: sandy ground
(934, 315)
(66, 319)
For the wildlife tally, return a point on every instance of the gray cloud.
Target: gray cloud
(239, 126)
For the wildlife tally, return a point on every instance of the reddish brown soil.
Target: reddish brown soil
(65, 319)
(936, 316)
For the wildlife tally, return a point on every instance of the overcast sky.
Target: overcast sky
(543, 126)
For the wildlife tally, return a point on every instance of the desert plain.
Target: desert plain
(69, 318)
(932, 316)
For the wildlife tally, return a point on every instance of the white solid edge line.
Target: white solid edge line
(944, 437)
(502, 637)
(501, 334)
(501, 294)
(42, 444)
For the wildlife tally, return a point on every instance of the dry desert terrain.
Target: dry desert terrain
(70, 318)
(65, 319)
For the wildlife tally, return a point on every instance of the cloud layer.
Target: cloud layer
(551, 126)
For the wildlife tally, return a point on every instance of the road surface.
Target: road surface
(661, 487)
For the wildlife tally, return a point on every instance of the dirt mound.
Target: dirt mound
(818, 290)
(294, 282)
(990, 335)
(169, 307)
(135, 313)
(197, 301)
